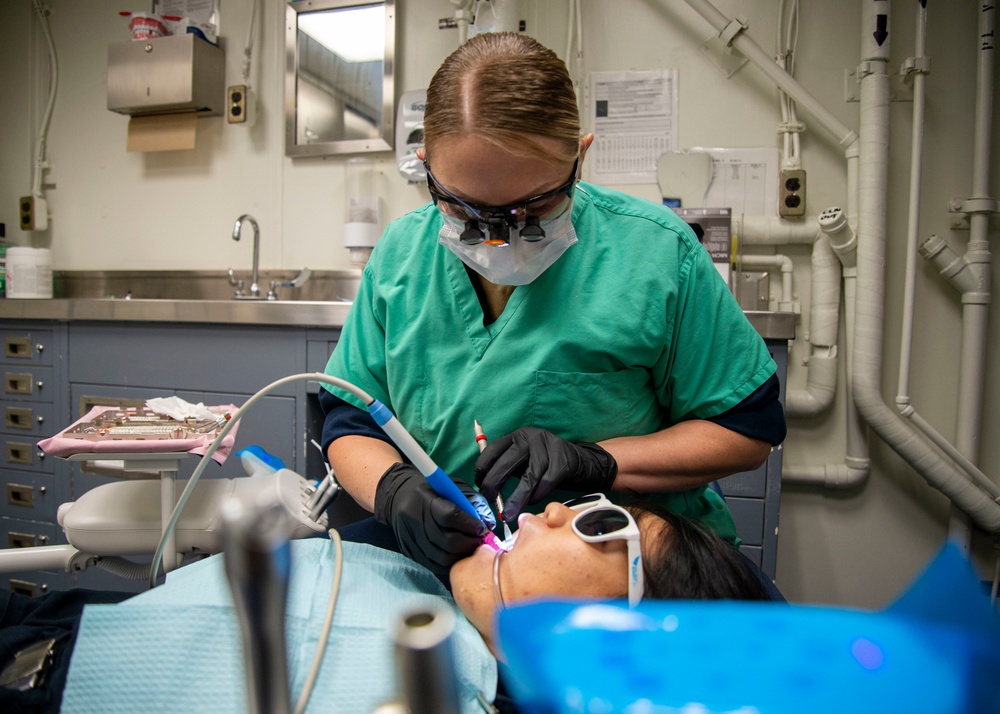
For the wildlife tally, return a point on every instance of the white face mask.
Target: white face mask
(518, 263)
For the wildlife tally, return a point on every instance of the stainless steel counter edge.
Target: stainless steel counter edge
(245, 312)
(770, 325)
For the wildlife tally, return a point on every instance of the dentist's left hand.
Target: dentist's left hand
(431, 530)
(541, 461)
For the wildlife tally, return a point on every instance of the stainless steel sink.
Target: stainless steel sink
(322, 286)
(188, 296)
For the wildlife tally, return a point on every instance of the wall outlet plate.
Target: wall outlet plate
(34, 213)
(792, 192)
(240, 105)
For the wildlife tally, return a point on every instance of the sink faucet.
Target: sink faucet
(254, 277)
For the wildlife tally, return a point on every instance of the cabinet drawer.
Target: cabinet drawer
(29, 496)
(27, 346)
(749, 516)
(18, 452)
(27, 418)
(751, 484)
(30, 383)
(21, 533)
(37, 582)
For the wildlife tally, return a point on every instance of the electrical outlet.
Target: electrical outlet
(34, 213)
(240, 104)
(792, 193)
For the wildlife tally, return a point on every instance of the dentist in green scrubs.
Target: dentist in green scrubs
(586, 330)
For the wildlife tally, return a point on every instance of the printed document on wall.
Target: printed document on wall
(634, 118)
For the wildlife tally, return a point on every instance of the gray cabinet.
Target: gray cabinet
(33, 404)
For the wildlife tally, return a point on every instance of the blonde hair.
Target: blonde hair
(507, 89)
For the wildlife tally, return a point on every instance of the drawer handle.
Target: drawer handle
(18, 347)
(18, 383)
(18, 453)
(22, 540)
(20, 495)
(19, 417)
(23, 587)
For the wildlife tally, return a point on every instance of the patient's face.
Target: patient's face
(548, 559)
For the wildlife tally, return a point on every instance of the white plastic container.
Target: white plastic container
(29, 272)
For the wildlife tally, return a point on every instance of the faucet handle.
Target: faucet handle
(238, 284)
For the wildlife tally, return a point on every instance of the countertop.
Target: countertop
(300, 313)
(243, 312)
(207, 297)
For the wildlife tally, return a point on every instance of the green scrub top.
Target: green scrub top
(630, 331)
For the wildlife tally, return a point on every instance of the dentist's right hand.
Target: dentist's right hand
(430, 530)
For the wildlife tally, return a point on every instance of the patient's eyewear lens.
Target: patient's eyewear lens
(601, 521)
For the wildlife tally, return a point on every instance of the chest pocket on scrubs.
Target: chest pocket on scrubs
(585, 406)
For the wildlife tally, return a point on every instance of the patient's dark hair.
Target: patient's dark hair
(691, 563)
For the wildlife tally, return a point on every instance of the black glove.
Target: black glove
(431, 530)
(543, 462)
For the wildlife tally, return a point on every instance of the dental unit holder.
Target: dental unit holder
(258, 566)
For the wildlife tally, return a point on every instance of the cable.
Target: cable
(251, 37)
(43, 130)
(206, 458)
(324, 636)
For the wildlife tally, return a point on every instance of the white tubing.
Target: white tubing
(872, 214)
(913, 223)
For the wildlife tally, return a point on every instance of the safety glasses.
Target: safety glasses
(599, 520)
(479, 219)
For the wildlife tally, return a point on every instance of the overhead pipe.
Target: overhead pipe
(872, 219)
(732, 32)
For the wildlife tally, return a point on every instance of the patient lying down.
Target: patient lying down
(177, 647)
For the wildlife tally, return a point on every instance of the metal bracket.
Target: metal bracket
(962, 208)
(734, 28)
(900, 90)
(915, 65)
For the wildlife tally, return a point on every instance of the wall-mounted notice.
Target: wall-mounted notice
(634, 118)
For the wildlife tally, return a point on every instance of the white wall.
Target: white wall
(116, 210)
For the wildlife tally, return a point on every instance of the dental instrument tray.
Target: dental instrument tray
(134, 424)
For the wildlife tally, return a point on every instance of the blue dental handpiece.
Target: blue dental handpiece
(438, 479)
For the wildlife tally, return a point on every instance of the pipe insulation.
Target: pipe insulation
(873, 178)
(824, 317)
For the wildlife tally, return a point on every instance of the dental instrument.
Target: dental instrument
(328, 490)
(481, 441)
(437, 478)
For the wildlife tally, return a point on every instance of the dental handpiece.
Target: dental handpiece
(257, 561)
(437, 478)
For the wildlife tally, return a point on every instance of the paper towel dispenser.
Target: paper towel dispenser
(178, 73)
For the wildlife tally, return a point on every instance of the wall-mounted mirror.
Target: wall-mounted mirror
(339, 63)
